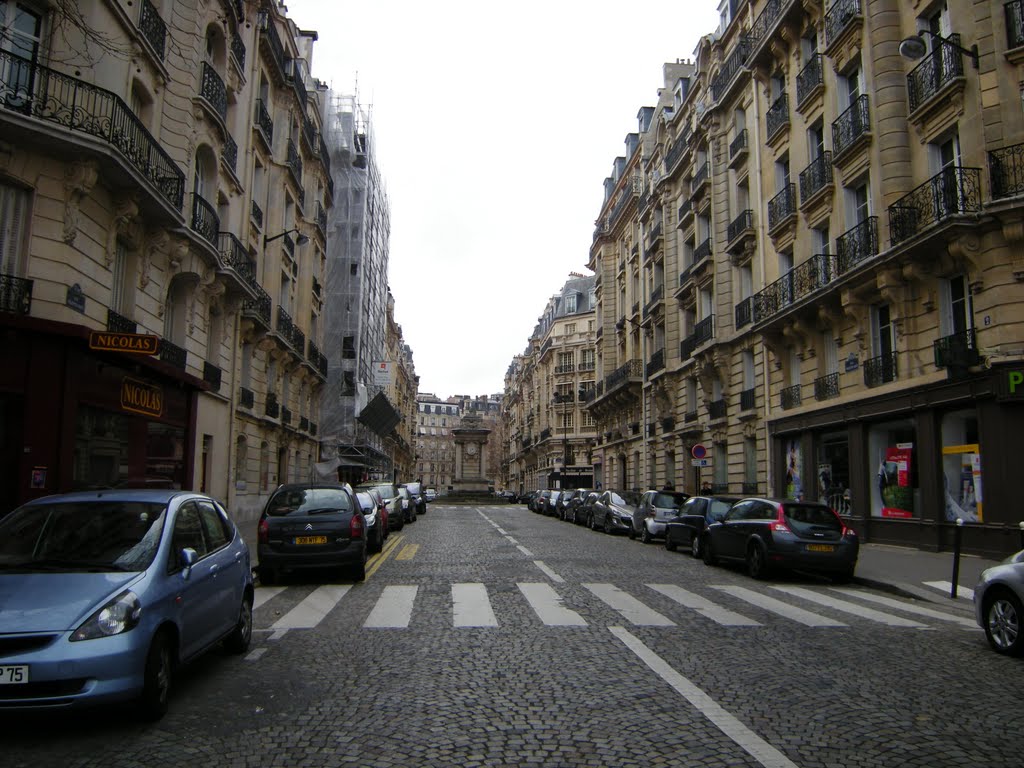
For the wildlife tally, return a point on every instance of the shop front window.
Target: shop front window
(892, 451)
(961, 466)
(117, 449)
(833, 471)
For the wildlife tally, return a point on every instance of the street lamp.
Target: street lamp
(913, 48)
(300, 240)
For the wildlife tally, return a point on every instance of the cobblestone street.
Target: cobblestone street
(492, 636)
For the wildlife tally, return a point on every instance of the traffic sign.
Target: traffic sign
(701, 462)
(698, 452)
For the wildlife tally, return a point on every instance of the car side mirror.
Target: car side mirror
(186, 559)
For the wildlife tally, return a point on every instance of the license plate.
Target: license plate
(310, 539)
(13, 674)
(821, 548)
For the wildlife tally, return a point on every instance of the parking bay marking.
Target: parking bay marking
(807, 618)
(632, 610)
(847, 607)
(408, 552)
(704, 607)
(727, 723)
(470, 606)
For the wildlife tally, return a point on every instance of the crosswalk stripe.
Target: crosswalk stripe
(547, 604)
(393, 608)
(261, 595)
(548, 572)
(704, 606)
(899, 605)
(847, 607)
(632, 610)
(807, 618)
(471, 607)
(947, 586)
(312, 610)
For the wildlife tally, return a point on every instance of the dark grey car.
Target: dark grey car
(687, 528)
(613, 511)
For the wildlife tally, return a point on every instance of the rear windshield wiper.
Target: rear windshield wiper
(322, 510)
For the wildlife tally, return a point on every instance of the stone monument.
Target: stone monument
(471, 480)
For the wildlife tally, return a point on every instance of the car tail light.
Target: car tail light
(356, 527)
(849, 532)
(779, 526)
(263, 532)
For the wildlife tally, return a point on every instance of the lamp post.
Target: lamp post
(302, 239)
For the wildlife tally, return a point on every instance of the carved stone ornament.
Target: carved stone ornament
(125, 211)
(156, 244)
(750, 429)
(79, 179)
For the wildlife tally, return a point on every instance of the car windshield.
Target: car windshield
(626, 498)
(670, 501)
(718, 507)
(366, 502)
(97, 535)
(308, 501)
(386, 491)
(805, 518)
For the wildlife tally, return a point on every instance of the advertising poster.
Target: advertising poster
(894, 482)
(962, 480)
(794, 462)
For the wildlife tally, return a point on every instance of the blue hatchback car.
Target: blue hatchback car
(104, 593)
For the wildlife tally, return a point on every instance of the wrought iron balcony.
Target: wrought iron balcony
(172, 354)
(813, 274)
(773, 299)
(321, 218)
(309, 135)
(272, 408)
(953, 190)
(284, 323)
(777, 117)
(1006, 169)
(816, 177)
(742, 223)
(205, 221)
(686, 347)
(657, 293)
(702, 251)
(735, 62)
(689, 417)
(118, 323)
(246, 397)
(704, 330)
(748, 399)
(238, 49)
(264, 122)
(234, 255)
(587, 365)
(765, 22)
(257, 214)
(313, 352)
(46, 94)
(260, 306)
(153, 28)
(879, 370)
(569, 368)
(211, 375)
(298, 338)
(717, 409)
(304, 423)
(656, 363)
(230, 152)
(744, 312)
(943, 64)
(212, 89)
(675, 153)
(857, 244)
(958, 350)
(850, 127)
(631, 371)
(685, 209)
(839, 17)
(738, 145)
(790, 397)
(810, 79)
(294, 162)
(782, 208)
(289, 245)
(826, 387)
(273, 42)
(699, 178)
(286, 415)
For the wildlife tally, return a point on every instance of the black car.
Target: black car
(574, 506)
(307, 526)
(542, 502)
(373, 513)
(584, 512)
(560, 503)
(392, 501)
(419, 498)
(613, 511)
(697, 512)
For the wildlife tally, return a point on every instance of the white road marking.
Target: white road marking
(962, 593)
(918, 610)
(254, 654)
(778, 607)
(548, 572)
(312, 610)
(524, 550)
(471, 606)
(704, 606)
(278, 634)
(632, 610)
(261, 595)
(548, 606)
(393, 608)
(500, 530)
(852, 608)
(727, 723)
(511, 540)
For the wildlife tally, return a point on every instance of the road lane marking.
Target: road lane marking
(254, 654)
(499, 529)
(631, 609)
(375, 562)
(548, 572)
(511, 539)
(807, 618)
(408, 552)
(524, 550)
(917, 610)
(313, 608)
(962, 593)
(471, 606)
(547, 604)
(704, 607)
(262, 594)
(393, 609)
(852, 608)
(726, 722)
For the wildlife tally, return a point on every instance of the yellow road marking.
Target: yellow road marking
(408, 552)
(377, 560)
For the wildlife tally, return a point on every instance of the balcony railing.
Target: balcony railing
(211, 375)
(699, 177)
(272, 408)
(656, 363)
(45, 94)
(675, 153)
(826, 387)
(704, 330)
(773, 299)
(943, 64)
(857, 244)
(286, 415)
(298, 338)
(587, 365)
(811, 77)
(958, 350)
(257, 214)
(632, 370)
(238, 49)
(260, 306)
(230, 152)
(273, 40)
(717, 409)
(689, 417)
(816, 177)
(744, 312)
(748, 399)
(838, 18)
(732, 66)
(172, 354)
(212, 89)
(739, 225)
(235, 256)
(153, 28)
(685, 209)
(205, 221)
(790, 397)
(813, 274)
(304, 423)
(850, 126)
(118, 323)
(246, 397)
(777, 117)
(1006, 169)
(782, 207)
(321, 218)
(702, 251)
(284, 323)
(738, 144)
(765, 22)
(264, 122)
(294, 161)
(953, 190)
(686, 347)
(879, 370)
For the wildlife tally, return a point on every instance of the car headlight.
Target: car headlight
(119, 615)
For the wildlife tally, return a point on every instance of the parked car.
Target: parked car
(306, 526)
(374, 513)
(687, 528)
(655, 509)
(613, 511)
(584, 512)
(575, 504)
(430, 495)
(394, 516)
(560, 503)
(407, 504)
(782, 533)
(508, 496)
(998, 601)
(542, 503)
(107, 593)
(416, 492)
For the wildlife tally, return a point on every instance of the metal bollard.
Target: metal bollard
(957, 535)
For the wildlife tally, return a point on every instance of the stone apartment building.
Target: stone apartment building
(164, 190)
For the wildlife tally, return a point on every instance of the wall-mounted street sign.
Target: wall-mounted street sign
(700, 462)
(698, 452)
(130, 343)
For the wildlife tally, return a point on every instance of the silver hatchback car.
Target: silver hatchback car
(997, 605)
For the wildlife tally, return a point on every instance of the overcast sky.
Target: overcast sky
(495, 126)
